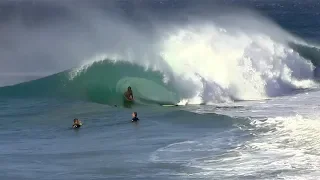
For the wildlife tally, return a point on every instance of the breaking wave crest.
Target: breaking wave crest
(201, 62)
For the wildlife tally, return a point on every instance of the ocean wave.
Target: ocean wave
(199, 62)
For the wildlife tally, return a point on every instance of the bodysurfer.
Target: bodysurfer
(129, 94)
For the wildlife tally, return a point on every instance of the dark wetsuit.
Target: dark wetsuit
(75, 126)
(135, 119)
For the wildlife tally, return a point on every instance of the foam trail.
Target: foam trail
(281, 146)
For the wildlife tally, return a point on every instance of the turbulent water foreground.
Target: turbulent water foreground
(270, 139)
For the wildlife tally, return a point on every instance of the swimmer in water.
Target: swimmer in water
(129, 93)
(76, 123)
(135, 117)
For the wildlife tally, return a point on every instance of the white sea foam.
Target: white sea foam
(234, 65)
(213, 62)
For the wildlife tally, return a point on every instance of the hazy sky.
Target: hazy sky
(47, 36)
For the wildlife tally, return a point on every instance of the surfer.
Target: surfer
(129, 94)
(76, 123)
(135, 117)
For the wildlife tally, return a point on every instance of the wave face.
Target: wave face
(311, 53)
(103, 82)
(226, 58)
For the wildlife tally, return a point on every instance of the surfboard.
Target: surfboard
(169, 105)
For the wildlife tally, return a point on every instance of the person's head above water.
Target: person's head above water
(135, 117)
(134, 114)
(76, 121)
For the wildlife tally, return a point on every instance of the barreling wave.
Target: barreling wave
(201, 62)
(103, 82)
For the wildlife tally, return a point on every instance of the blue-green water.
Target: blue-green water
(246, 83)
(42, 145)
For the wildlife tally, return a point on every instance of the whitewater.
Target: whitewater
(223, 63)
(244, 74)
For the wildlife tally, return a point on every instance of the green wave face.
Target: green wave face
(103, 82)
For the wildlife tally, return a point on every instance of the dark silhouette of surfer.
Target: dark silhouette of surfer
(135, 117)
(76, 123)
(128, 94)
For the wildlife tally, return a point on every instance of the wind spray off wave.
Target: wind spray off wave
(234, 64)
(197, 62)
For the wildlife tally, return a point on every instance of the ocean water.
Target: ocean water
(244, 75)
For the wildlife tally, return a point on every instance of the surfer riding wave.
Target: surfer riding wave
(128, 94)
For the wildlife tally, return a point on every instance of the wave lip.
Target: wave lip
(199, 62)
